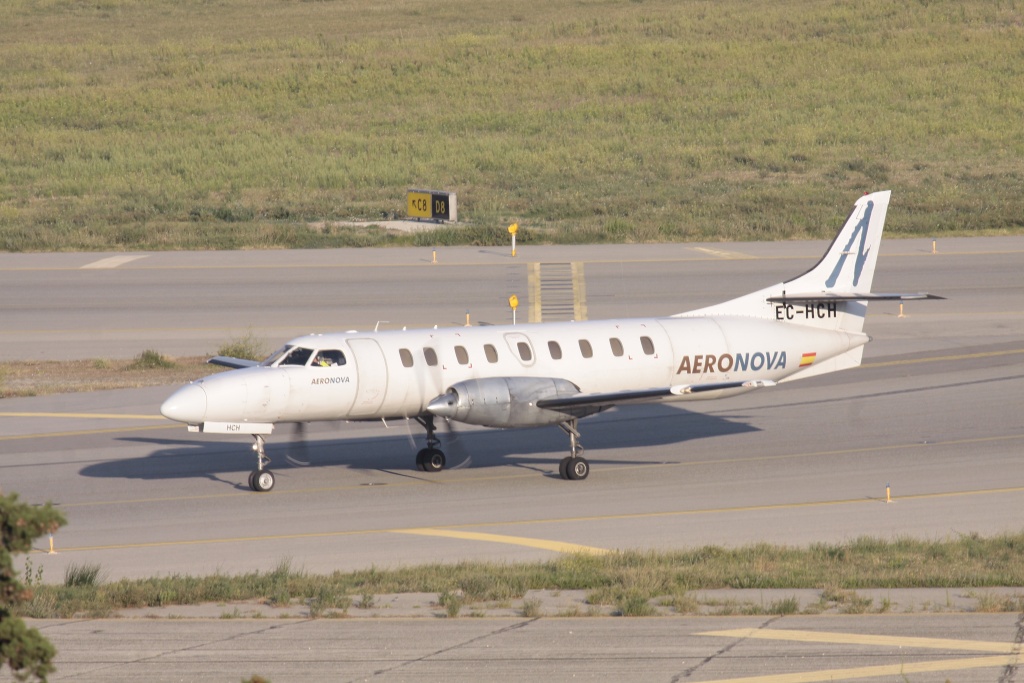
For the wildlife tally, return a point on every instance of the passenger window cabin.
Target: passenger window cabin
(461, 355)
(406, 357)
(430, 356)
(491, 353)
(586, 349)
(647, 345)
(555, 350)
(524, 352)
(616, 345)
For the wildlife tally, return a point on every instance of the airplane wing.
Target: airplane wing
(609, 399)
(825, 297)
(229, 362)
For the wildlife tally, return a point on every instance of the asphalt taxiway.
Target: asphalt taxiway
(933, 416)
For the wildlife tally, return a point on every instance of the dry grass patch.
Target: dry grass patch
(38, 378)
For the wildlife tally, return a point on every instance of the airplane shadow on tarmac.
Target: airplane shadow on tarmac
(325, 445)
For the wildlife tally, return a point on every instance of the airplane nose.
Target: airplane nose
(187, 405)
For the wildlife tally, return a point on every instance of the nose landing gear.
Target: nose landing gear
(431, 458)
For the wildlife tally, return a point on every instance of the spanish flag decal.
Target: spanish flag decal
(807, 359)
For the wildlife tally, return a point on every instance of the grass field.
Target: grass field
(192, 124)
(628, 580)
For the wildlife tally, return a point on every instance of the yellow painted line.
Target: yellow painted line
(426, 262)
(896, 671)
(722, 254)
(1009, 655)
(492, 538)
(579, 291)
(745, 508)
(556, 546)
(933, 359)
(851, 451)
(87, 432)
(453, 531)
(471, 481)
(97, 416)
(866, 639)
(533, 288)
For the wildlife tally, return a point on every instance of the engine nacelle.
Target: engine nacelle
(503, 401)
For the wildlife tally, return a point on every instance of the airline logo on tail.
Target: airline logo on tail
(861, 230)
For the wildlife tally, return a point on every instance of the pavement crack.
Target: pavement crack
(1009, 674)
(456, 646)
(197, 646)
(686, 673)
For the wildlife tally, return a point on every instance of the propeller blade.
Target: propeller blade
(298, 448)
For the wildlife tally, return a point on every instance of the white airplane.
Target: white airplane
(553, 373)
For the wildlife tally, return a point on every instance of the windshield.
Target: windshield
(275, 356)
(288, 355)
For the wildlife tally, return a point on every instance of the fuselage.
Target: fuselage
(372, 375)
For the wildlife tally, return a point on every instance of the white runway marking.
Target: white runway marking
(114, 261)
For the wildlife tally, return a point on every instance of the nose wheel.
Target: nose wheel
(261, 479)
(431, 458)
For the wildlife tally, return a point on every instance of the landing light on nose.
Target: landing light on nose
(187, 405)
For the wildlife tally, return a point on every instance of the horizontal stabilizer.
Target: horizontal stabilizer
(229, 362)
(825, 297)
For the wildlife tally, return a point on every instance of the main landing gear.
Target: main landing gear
(574, 467)
(261, 479)
(431, 458)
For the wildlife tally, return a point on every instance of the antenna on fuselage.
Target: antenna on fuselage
(377, 326)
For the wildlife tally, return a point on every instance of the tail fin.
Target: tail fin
(848, 267)
(834, 293)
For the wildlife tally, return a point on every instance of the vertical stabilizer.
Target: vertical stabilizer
(834, 293)
(848, 267)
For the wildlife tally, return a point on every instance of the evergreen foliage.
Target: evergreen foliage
(24, 649)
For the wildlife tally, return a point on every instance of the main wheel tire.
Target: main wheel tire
(433, 460)
(578, 469)
(563, 467)
(252, 479)
(262, 481)
(421, 458)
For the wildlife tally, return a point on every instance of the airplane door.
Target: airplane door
(371, 376)
(520, 346)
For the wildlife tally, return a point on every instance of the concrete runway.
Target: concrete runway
(935, 413)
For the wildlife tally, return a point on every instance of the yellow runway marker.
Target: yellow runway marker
(1009, 655)
(556, 546)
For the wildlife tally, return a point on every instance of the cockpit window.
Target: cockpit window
(297, 356)
(275, 356)
(328, 358)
